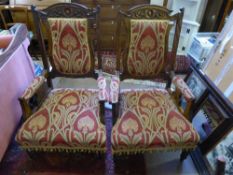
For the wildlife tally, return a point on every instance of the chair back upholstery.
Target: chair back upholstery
(68, 28)
(143, 53)
(10, 15)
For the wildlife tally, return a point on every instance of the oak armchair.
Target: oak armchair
(149, 119)
(64, 119)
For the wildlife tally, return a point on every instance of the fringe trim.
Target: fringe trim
(127, 151)
(63, 149)
(124, 151)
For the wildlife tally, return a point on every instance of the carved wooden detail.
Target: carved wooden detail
(148, 12)
(65, 10)
(69, 11)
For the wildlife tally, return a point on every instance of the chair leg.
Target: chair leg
(102, 112)
(184, 155)
(115, 112)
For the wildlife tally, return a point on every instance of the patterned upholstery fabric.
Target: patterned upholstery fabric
(36, 83)
(114, 89)
(67, 120)
(147, 47)
(183, 88)
(149, 120)
(109, 62)
(70, 48)
(103, 89)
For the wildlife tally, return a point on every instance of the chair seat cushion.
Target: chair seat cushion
(149, 120)
(67, 120)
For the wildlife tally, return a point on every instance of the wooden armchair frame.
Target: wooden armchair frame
(123, 38)
(163, 22)
(39, 93)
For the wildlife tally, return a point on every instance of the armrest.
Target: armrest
(102, 85)
(114, 89)
(35, 85)
(183, 88)
(33, 96)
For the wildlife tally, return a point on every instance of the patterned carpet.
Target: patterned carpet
(18, 162)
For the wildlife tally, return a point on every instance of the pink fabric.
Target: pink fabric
(15, 76)
(5, 40)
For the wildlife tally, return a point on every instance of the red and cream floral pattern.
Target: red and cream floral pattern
(36, 83)
(103, 89)
(147, 47)
(183, 88)
(70, 48)
(68, 119)
(114, 89)
(149, 120)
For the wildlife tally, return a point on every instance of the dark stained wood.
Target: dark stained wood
(227, 10)
(108, 17)
(11, 15)
(224, 108)
(211, 16)
(200, 162)
(223, 102)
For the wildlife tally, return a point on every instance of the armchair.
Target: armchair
(64, 119)
(149, 119)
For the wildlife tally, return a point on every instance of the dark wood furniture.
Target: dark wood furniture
(227, 10)
(224, 109)
(11, 15)
(215, 15)
(108, 17)
(73, 115)
(142, 49)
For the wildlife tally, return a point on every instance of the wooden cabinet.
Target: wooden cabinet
(42, 3)
(215, 15)
(108, 14)
(108, 17)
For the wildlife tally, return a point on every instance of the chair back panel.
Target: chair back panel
(142, 45)
(146, 47)
(70, 47)
(70, 30)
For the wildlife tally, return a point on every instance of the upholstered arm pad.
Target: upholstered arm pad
(114, 89)
(183, 88)
(103, 90)
(35, 85)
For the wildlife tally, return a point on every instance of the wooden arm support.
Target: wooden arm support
(33, 96)
(182, 89)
